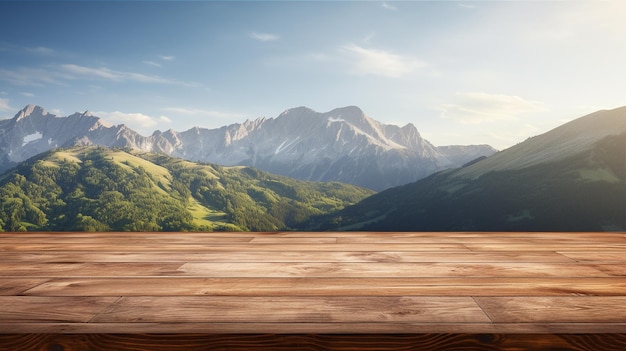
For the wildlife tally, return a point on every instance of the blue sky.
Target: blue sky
(463, 72)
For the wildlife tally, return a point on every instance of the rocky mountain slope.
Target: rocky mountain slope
(562, 142)
(572, 178)
(341, 145)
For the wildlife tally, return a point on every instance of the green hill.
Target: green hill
(583, 191)
(101, 189)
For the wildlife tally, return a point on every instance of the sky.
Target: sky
(462, 72)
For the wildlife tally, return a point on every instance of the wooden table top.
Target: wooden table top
(313, 283)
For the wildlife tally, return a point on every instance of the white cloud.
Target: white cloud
(138, 121)
(476, 108)
(27, 94)
(152, 63)
(60, 75)
(119, 76)
(31, 50)
(109, 74)
(467, 6)
(264, 36)
(165, 119)
(4, 105)
(26, 76)
(41, 50)
(388, 6)
(379, 62)
(162, 58)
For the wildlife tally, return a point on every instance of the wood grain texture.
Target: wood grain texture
(209, 255)
(595, 256)
(80, 269)
(313, 342)
(310, 328)
(554, 309)
(312, 287)
(15, 286)
(156, 245)
(52, 309)
(403, 286)
(234, 309)
(339, 269)
(565, 246)
(612, 269)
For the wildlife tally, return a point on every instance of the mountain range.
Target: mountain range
(342, 145)
(572, 178)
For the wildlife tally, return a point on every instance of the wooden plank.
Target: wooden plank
(292, 309)
(478, 247)
(313, 328)
(383, 235)
(88, 269)
(291, 328)
(314, 269)
(298, 269)
(589, 236)
(596, 256)
(555, 309)
(298, 240)
(156, 246)
(16, 286)
(464, 286)
(391, 239)
(82, 309)
(547, 239)
(612, 269)
(323, 282)
(281, 256)
(313, 342)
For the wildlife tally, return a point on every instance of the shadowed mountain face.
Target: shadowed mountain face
(572, 178)
(341, 145)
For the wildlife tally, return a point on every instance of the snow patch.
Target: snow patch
(282, 145)
(377, 137)
(332, 120)
(32, 137)
(381, 141)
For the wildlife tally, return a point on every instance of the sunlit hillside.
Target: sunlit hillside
(101, 189)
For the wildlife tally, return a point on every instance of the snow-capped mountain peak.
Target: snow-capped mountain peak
(340, 145)
(31, 111)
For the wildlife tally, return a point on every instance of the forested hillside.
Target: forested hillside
(101, 189)
(583, 192)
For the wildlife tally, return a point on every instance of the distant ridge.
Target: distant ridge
(557, 144)
(341, 145)
(572, 178)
